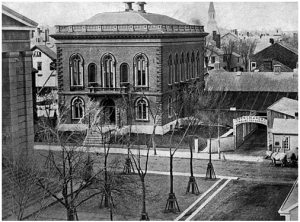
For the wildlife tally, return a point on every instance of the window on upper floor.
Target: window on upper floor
(108, 74)
(124, 71)
(170, 69)
(198, 64)
(182, 67)
(141, 109)
(92, 73)
(176, 70)
(187, 66)
(77, 105)
(193, 65)
(140, 63)
(76, 70)
(39, 66)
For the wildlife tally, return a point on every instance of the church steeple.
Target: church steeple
(211, 11)
(212, 23)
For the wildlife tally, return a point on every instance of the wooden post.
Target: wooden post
(196, 146)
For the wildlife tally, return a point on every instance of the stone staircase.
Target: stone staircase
(95, 138)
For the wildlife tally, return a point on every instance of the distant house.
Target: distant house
(289, 208)
(283, 125)
(44, 60)
(277, 52)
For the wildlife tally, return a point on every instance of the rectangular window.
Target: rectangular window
(253, 65)
(285, 143)
(39, 66)
(213, 59)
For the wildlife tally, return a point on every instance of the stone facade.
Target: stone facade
(124, 46)
(17, 98)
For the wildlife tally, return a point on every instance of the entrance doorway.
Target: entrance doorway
(109, 112)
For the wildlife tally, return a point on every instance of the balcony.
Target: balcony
(94, 91)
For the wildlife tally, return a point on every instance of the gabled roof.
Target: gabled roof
(52, 55)
(285, 106)
(130, 18)
(18, 17)
(283, 44)
(285, 126)
(229, 33)
(291, 201)
(289, 47)
(252, 81)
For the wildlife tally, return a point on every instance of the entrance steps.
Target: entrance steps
(96, 137)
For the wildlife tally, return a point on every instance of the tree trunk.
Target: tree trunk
(191, 161)
(144, 194)
(171, 173)
(71, 213)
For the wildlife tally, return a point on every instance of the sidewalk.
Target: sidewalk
(161, 152)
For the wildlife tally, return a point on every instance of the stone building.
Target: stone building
(130, 54)
(17, 97)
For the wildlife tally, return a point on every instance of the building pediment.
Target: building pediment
(12, 20)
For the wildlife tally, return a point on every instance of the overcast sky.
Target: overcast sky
(239, 15)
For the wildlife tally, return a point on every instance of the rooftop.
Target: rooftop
(286, 106)
(52, 55)
(291, 200)
(252, 81)
(285, 126)
(128, 21)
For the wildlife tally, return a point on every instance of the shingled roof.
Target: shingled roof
(252, 81)
(285, 126)
(285, 106)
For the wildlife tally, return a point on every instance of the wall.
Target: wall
(226, 144)
(293, 143)
(294, 214)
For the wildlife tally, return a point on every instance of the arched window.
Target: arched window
(77, 108)
(187, 66)
(170, 106)
(141, 107)
(170, 66)
(108, 74)
(176, 68)
(92, 76)
(182, 67)
(140, 63)
(76, 70)
(124, 71)
(198, 64)
(193, 65)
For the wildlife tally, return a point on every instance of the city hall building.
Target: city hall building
(134, 56)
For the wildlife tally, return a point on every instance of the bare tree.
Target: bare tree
(142, 172)
(246, 50)
(66, 167)
(228, 48)
(210, 49)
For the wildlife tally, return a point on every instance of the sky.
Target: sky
(229, 15)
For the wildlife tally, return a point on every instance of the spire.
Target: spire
(211, 7)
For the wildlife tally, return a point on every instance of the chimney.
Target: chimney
(272, 41)
(141, 6)
(277, 69)
(218, 41)
(128, 6)
(217, 65)
(214, 35)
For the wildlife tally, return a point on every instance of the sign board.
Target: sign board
(249, 119)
